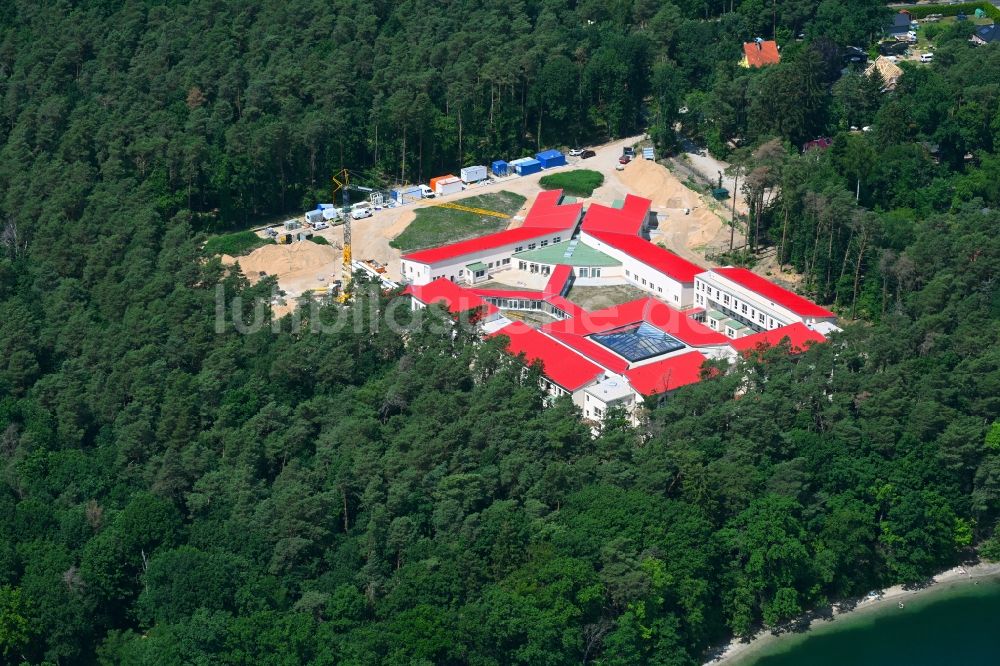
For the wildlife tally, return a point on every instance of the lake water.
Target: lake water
(958, 625)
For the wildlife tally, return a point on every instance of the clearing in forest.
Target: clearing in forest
(438, 225)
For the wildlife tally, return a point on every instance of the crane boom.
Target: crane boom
(342, 182)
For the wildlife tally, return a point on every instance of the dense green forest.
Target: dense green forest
(173, 494)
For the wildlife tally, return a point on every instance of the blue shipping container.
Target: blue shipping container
(551, 158)
(499, 168)
(527, 166)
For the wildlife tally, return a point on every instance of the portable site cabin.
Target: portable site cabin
(447, 185)
(551, 158)
(526, 166)
(331, 213)
(434, 181)
(499, 168)
(473, 174)
(314, 216)
(405, 195)
(292, 225)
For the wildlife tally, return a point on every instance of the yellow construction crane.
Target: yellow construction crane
(342, 183)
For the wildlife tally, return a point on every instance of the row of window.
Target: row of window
(585, 271)
(649, 285)
(532, 246)
(735, 307)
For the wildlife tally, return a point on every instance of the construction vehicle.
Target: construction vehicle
(342, 183)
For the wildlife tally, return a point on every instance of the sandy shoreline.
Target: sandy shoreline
(738, 649)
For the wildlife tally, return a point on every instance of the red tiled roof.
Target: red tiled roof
(772, 292)
(666, 375)
(453, 297)
(544, 217)
(654, 256)
(560, 275)
(595, 352)
(799, 337)
(625, 220)
(761, 54)
(560, 364)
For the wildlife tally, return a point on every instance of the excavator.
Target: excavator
(342, 183)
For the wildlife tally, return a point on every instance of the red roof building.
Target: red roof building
(760, 53)
(666, 375)
(445, 292)
(798, 335)
(557, 280)
(659, 259)
(630, 219)
(778, 295)
(560, 364)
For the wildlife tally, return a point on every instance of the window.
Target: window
(584, 272)
(597, 412)
(557, 239)
(643, 282)
(461, 272)
(627, 274)
(760, 317)
(725, 299)
(675, 298)
(661, 289)
(770, 322)
(595, 272)
(522, 265)
(519, 248)
(531, 246)
(743, 308)
(545, 243)
(491, 264)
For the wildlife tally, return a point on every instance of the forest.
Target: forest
(176, 493)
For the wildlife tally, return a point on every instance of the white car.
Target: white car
(575, 152)
(361, 213)
(320, 226)
(926, 57)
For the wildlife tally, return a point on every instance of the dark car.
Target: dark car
(624, 159)
(587, 153)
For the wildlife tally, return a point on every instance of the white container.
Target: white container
(449, 186)
(314, 216)
(473, 174)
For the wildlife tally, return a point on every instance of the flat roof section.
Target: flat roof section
(571, 253)
(772, 292)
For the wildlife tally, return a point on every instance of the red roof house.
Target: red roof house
(760, 53)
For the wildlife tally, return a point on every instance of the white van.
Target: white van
(926, 57)
(426, 192)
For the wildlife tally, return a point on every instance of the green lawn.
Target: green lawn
(235, 244)
(435, 225)
(580, 182)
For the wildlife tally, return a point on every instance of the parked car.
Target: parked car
(624, 159)
(926, 57)
(426, 192)
(361, 213)
(587, 154)
(628, 151)
(319, 226)
(575, 152)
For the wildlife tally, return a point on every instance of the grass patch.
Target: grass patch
(319, 240)
(236, 244)
(435, 225)
(580, 183)
(597, 298)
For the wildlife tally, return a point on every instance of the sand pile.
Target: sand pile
(648, 179)
(298, 266)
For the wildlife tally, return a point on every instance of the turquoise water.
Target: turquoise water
(958, 626)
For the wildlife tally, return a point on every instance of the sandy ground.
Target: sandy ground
(738, 650)
(299, 266)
